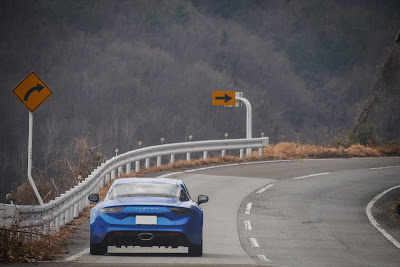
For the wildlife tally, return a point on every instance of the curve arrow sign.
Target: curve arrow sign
(226, 98)
(38, 88)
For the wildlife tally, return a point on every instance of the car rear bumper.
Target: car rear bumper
(146, 239)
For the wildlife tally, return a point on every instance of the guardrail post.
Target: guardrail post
(57, 221)
(113, 175)
(248, 151)
(260, 152)
(188, 156)
(147, 163)
(137, 167)
(76, 209)
(158, 160)
(223, 152)
(66, 216)
(241, 153)
(128, 168)
(62, 218)
(172, 158)
(52, 226)
(120, 170)
(205, 154)
(71, 213)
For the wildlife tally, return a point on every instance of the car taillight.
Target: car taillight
(112, 210)
(180, 210)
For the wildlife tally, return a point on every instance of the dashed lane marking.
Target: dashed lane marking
(311, 175)
(248, 208)
(247, 225)
(263, 258)
(264, 188)
(253, 242)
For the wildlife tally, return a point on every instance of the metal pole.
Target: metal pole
(248, 117)
(248, 120)
(30, 159)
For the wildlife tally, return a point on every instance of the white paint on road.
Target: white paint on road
(248, 208)
(253, 242)
(310, 175)
(263, 258)
(375, 223)
(78, 255)
(247, 225)
(387, 167)
(264, 188)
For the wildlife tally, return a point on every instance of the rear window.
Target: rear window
(145, 190)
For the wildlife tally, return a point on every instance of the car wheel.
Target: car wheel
(98, 249)
(196, 250)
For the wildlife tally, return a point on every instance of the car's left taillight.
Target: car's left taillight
(112, 209)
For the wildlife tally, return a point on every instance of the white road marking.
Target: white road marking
(374, 223)
(247, 225)
(168, 174)
(78, 255)
(212, 167)
(253, 242)
(264, 188)
(311, 175)
(248, 208)
(263, 258)
(387, 167)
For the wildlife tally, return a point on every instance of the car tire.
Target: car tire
(196, 250)
(98, 249)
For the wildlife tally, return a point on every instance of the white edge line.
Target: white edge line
(78, 255)
(311, 175)
(264, 188)
(387, 167)
(375, 223)
(253, 242)
(168, 174)
(263, 258)
(247, 225)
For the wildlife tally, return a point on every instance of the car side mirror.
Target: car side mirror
(202, 199)
(94, 198)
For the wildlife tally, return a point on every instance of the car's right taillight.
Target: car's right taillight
(180, 210)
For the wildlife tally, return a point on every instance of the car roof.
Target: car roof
(146, 180)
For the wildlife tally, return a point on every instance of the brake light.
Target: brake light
(112, 210)
(180, 210)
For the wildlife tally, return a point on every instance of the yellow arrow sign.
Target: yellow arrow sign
(32, 92)
(223, 98)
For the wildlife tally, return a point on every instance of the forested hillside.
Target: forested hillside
(128, 71)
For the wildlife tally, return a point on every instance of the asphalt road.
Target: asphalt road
(315, 220)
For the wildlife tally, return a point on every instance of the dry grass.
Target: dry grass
(21, 245)
(287, 150)
(17, 246)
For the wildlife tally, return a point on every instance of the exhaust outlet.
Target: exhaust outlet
(146, 236)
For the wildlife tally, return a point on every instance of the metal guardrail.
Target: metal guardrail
(60, 211)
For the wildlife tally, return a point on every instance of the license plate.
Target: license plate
(149, 220)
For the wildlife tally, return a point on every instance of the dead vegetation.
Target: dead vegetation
(24, 245)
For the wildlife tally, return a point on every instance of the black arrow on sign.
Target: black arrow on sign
(226, 98)
(38, 88)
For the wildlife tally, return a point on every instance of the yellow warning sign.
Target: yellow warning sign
(223, 98)
(32, 91)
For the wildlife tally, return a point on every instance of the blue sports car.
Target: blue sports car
(147, 212)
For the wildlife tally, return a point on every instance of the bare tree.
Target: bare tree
(50, 130)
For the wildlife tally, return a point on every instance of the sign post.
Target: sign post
(228, 98)
(32, 92)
